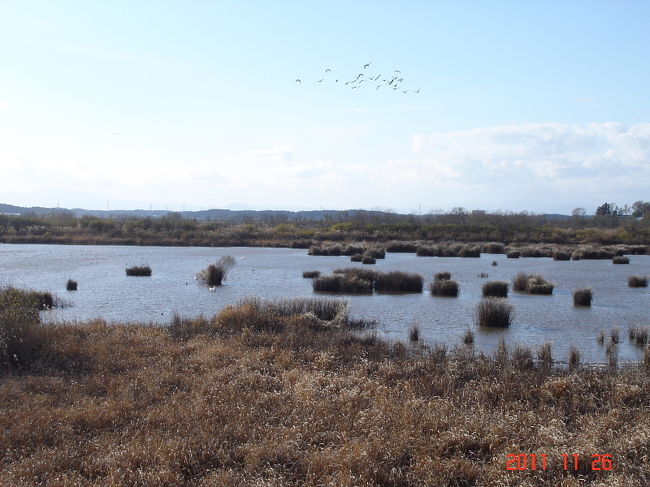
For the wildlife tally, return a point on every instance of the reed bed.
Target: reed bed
(532, 284)
(637, 281)
(582, 297)
(299, 404)
(344, 284)
(376, 253)
(139, 271)
(356, 258)
(310, 274)
(442, 276)
(561, 255)
(445, 287)
(467, 251)
(495, 289)
(397, 281)
(71, 285)
(513, 254)
(493, 248)
(425, 251)
(359, 273)
(593, 253)
(404, 247)
(494, 312)
(368, 259)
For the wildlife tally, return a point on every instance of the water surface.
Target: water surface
(106, 292)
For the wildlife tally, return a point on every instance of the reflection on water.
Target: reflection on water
(105, 291)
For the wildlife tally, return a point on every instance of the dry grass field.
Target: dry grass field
(258, 396)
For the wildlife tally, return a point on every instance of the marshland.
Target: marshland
(175, 287)
(287, 393)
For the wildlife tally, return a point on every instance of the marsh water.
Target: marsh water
(106, 292)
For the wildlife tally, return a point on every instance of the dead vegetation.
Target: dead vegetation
(284, 394)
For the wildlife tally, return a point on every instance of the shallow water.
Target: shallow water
(106, 292)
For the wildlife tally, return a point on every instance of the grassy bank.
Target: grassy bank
(261, 396)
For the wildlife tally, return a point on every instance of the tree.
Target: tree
(640, 208)
(579, 212)
(607, 209)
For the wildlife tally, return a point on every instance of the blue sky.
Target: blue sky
(539, 106)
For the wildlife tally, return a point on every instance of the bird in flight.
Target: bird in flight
(328, 70)
(321, 80)
(417, 91)
(366, 65)
(298, 81)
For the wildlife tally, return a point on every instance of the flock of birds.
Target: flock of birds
(393, 81)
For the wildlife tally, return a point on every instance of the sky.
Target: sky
(539, 106)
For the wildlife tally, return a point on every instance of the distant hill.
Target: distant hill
(225, 215)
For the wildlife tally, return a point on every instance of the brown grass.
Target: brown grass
(304, 403)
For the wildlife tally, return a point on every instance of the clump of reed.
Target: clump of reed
(468, 337)
(375, 252)
(545, 355)
(574, 357)
(495, 289)
(561, 255)
(620, 259)
(600, 338)
(494, 263)
(414, 333)
(513, 254)
(470, 251)
(356, 258)
(615, 335)
(582, 297)
(442, 276)
(444, 287)
(522, 357)
(637, 281)
(218, 272)
(536, 252)
(141, 271)
(532, 284)
(71, 285)
(342, 283)
(368, 259)
(639, 335)
(494, 312)
(493, 248)
(310, 274)
(329, 250)
(593, 253)
(405, 247)
(397, 281)
(424, 251)
(353, 250)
